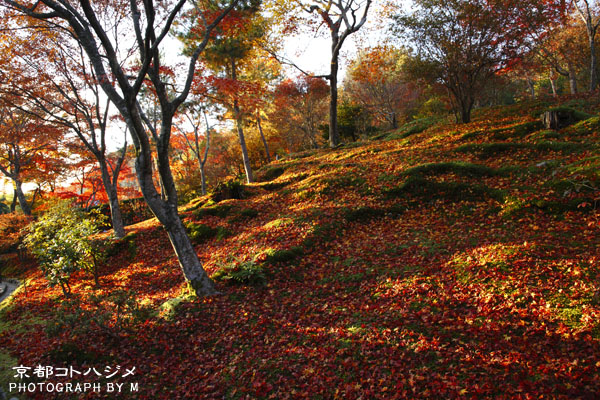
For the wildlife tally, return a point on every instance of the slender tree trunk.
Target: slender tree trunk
(238, 120)
(113, 201)
(13, 204)
(334, 134)
(593, 72)
(21, 196)
(394, 121)
(262, 136)
(203, 179)
(553, 86)
(572, 78)
(531, 86)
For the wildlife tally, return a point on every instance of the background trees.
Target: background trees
(377, 80)
(462, 43)
(300, 108)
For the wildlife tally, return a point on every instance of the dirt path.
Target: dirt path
(7, 287)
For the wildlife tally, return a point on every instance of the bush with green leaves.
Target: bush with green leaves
(61, 242)
(241, 272)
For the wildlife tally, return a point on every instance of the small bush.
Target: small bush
(60, 241)
(241, 272)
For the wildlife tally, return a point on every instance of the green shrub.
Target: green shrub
(60, 241)
(241, 272)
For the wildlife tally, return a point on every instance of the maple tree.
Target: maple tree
(299, 110)
(26, 145)
(376, 80)
(73, 98)
(461, 43)
(90, 25)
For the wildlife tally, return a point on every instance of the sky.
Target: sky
(312, 52)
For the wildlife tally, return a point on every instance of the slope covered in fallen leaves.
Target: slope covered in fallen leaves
(457, 261)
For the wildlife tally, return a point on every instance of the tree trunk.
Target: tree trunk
(192, 269)
(13, 204)
(21, 196)
(203, 179)
(238, 121)
(113, 201)
(465, 115)
(262, 136)
(553, 86)
(593, 72)
(572, 79)
(334, 134)
(531, 87)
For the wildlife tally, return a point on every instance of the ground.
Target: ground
(441, 260)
